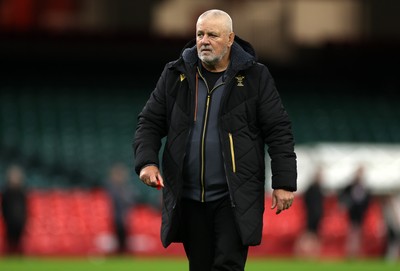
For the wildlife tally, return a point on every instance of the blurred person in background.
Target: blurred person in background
(14, 208)
(355, 197)
(218, 108)
(308, 244)
(122, 195)
(391, 215)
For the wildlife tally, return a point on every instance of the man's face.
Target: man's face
(212, 40)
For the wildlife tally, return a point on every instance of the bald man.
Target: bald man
(218, 108)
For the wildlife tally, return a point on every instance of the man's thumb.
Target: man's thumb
(273, 205)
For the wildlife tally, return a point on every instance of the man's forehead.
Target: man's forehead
(215, 25)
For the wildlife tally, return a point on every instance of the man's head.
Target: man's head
(214, 38)
(15, 176)
(118, 174)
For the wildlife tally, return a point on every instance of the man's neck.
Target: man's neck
(215, 68)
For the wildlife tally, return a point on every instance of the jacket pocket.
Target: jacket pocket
(232, 147)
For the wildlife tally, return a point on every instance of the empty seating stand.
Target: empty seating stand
(79, 222)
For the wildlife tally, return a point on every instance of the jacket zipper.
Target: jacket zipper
(232, 152)
(203, 137)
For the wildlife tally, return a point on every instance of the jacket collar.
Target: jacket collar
(242, 55)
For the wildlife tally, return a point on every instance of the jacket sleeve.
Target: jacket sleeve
(151, 127)
(277, 132)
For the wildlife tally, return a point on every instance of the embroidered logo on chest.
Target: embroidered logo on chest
(239, 79)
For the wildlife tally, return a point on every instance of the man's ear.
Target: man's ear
(231, 38)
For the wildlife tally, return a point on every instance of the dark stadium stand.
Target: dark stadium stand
(67, 135)
(68, 132)
(327, 115)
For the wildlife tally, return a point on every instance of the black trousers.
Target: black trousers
(210, 237)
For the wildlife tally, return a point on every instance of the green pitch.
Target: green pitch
(179, 264)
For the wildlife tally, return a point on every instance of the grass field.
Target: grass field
(178, 264)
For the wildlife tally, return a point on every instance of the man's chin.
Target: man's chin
(208, 61)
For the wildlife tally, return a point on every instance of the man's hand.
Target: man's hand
(281, 200)
(151, 176)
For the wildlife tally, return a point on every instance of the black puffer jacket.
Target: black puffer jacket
(251, 116)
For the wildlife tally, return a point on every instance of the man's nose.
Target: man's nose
(205, 40)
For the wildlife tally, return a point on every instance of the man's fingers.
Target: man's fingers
(283, 205)
(273, 205)
(153, 180)
(160, 179)
(151, 176)
(280, 207)
(282, 199)
(278, 204)
(142, 176)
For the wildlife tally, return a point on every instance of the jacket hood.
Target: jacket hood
(242, 52)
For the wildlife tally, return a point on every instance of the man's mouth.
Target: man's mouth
(206, 50)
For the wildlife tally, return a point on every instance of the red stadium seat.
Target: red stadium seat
(79, 222)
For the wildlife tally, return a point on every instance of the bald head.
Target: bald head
(221, 16)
